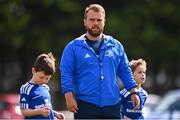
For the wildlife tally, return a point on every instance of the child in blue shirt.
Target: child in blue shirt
(139, 71)
(35, 99)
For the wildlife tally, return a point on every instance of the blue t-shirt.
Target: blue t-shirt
(34, 96)
(127, 106)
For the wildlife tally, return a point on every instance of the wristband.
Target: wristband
(134, 93)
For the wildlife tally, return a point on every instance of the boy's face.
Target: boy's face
(40, 77)
(140, 74)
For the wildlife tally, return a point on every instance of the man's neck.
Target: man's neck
(90, 37)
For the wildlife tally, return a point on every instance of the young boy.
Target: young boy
(35, 99)
(139, 71)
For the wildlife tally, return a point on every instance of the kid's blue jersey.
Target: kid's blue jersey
(34, 96)
(127, 106)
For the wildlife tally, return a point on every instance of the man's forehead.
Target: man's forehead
(95, 14)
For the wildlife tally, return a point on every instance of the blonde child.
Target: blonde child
(139, 71)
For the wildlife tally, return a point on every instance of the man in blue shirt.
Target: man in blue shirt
(90, 66)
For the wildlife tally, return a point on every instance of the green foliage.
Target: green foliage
(147, 28)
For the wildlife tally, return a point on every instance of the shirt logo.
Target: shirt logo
(23, 99)
(45, 100)
(87, 56)
(109, 53)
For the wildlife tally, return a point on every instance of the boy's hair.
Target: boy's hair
(135, 63)
(46, 63)
(95, 7)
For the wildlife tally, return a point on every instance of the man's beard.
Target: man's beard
(92, 33)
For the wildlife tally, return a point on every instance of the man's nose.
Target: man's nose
(95, 21)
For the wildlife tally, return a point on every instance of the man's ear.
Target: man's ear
(84, 22)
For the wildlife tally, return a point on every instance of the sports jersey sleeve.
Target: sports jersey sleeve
(124, 94)
(24, 96)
